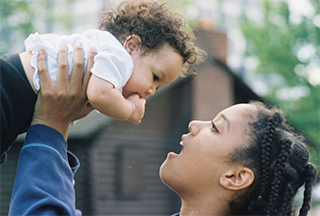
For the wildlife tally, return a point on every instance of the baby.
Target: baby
(141, 46)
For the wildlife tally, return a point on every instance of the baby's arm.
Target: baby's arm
(109, 101)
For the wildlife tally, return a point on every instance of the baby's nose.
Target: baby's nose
(150, 92)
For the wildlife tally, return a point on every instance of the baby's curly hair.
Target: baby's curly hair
(156, 25)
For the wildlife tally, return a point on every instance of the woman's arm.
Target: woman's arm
(44, 179)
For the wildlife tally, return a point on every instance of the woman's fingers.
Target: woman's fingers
(78, 67)
(91, 55)
(63, 66)
(44, 76)
(87, 108)
(62, 101)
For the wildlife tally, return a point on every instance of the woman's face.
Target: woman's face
(205, 150)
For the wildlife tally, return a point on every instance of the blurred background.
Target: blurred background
(269, 49)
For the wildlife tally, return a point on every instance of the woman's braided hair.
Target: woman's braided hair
(155, 24)
(279, 159)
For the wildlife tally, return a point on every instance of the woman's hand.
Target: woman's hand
(63, 101)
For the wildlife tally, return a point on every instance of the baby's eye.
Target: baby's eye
(155, 78)
(214, 128)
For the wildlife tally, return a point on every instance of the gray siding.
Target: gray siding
(140, 192)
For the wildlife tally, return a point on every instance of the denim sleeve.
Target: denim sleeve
(44, 179)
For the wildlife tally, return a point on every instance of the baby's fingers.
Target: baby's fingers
(142, 102)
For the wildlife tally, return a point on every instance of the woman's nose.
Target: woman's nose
(196, 126)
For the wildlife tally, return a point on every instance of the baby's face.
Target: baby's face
(153, 70)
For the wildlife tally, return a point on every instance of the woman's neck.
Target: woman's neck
(204, 205)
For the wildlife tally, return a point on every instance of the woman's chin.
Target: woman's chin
(165, 170)
(168, 170)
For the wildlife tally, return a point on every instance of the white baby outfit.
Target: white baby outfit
(112, 62)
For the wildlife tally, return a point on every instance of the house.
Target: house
(120, 160)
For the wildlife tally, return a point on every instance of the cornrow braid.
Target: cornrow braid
(289, 193)
(311, 175)
(273, 122)
(279, 167)
(279, 159)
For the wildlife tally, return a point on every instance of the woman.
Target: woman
(246, 161)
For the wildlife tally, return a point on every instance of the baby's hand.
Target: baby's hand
(139, 104)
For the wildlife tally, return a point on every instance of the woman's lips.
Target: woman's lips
(174, 155)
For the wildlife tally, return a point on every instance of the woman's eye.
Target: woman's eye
(155, 78)
(214, 128)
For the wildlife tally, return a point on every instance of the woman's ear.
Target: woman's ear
(132, 43)
(237, 179)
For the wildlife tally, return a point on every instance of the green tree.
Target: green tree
(20, 18)
(288, 56)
